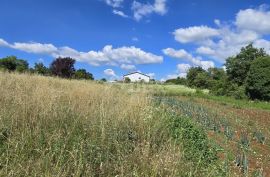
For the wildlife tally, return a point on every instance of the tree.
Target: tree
(63, 67)
(202, 80)
(177, 81)
(40, 68)
(83, 74)
(192, 75)
(238, 67)
(103, 80)
(258, 80)
(12, 63)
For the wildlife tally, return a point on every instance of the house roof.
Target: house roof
(138, 73)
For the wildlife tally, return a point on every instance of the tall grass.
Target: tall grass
(55, 127)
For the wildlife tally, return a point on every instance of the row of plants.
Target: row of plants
(210, 121)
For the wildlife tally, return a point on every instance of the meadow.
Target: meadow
(60, 127)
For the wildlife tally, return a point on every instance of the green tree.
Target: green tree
(12, 63)
(83, 74)
(63, 67)
(202, 80)
(258, 80)
(103, 80)
(177, 81)
(238, 67)
(40, 68)
(192, 75)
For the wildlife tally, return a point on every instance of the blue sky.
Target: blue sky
(109, 38)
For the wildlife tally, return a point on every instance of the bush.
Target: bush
(258, 80)
(83, 74)
(63, 67)
(194, 140)
(12, 63)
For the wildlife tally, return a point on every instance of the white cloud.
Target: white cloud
(114, 3)
(36, 48)
(3, 43)
(109, 72)
(127, 67)
(194, 34)
(217, 22)
(262, 43)
(205, 50)
(140, 10)
(249, 26)
(183, 68)
(107, 56)
(182, 54)
(257, 20)
(120, 13)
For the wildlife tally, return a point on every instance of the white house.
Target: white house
(137, 77)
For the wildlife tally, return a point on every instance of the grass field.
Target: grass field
(56, 127)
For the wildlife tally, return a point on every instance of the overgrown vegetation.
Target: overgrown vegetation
(60, 67)
(55, 127)
(246, 76)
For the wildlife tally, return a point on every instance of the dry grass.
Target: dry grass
(55, 127)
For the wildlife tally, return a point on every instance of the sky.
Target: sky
(110, 38)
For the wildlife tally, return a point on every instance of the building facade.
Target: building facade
(137, 77)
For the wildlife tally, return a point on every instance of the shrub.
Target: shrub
(193, 139)
(258, 80)
(12, 63)
(83, 74)
(63, 67)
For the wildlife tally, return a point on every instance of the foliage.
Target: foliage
(238, 67)
(75, 128)
(103, 80)
(192, 75)
(41, 69)
(63, 67)
(83, 74)
(12, 63)
(258, 80)
(177, 81)
(193, 139)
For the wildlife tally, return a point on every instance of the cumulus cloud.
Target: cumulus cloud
(205, 50)
(140, 10)
(183, 68)
(109, 72)
(120, 13)
(128, 67)
(194, 34)
(182, 54)
(36, 48)
(107, 56)
(3, 43)
(114, 3)
(257, 20)
(249, 26)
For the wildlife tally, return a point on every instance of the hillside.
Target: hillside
(59, 127)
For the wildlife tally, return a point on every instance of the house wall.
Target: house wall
(137, 77)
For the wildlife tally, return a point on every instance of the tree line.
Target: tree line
(246, 76)
(60, 67)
